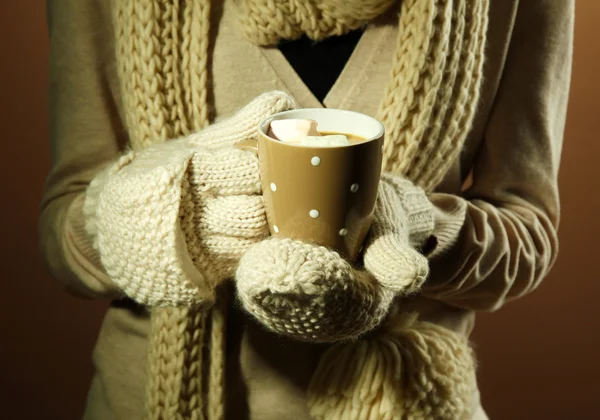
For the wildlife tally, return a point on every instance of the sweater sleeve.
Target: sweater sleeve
(499, 241)
(86, 134)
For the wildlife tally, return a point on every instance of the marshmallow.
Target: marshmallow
(292, 131)
(325, 141)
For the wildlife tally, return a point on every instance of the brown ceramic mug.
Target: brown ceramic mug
(321, 195)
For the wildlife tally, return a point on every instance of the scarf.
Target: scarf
(427, 109)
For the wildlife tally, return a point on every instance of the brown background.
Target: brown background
(539, 356)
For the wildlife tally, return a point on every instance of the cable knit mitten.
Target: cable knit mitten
(311, 293)
(171, 222)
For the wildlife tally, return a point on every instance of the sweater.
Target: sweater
(497, 209)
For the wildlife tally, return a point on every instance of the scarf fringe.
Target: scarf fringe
(418, 371)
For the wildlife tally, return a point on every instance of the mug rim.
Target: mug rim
(262, 125)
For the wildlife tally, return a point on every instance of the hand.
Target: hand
(171, 222)
(403, 221)
(312, 294)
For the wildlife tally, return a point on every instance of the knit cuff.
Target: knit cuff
(418, 208)
(450, 213)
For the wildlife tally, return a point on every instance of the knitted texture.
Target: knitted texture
(162, 57)
(182, 258)
(308, 292)
(215, 409)
(171, 245)
(430, 101)
(141, 244)
(311, 293)
(416, 370)
(427, 110)
(175, 370)
(436, 76)
(178, 379)
(413, 203)
(389, 255)
(266, 22)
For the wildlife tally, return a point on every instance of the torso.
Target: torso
(268, 375)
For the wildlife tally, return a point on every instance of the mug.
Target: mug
(321, 195)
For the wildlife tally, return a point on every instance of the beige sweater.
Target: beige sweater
(496, 234)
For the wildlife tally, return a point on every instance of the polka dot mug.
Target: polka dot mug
(321, 195)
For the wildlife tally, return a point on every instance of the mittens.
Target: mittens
(312, 294)
(308, 292)
(403, 218)
(172, 221)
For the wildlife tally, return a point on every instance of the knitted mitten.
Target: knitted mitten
(403, 220)
(311, 293)
(308, 292)
(171, 222)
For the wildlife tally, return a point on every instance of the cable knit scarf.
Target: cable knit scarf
(428, 107)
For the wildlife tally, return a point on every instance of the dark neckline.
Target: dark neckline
(319, 64)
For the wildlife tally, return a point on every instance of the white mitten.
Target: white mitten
(403, 221)
(171, 222)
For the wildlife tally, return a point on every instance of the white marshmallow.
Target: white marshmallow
(292, 131)
(325, 141)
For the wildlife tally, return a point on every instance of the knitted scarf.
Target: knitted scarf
(427, 109)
